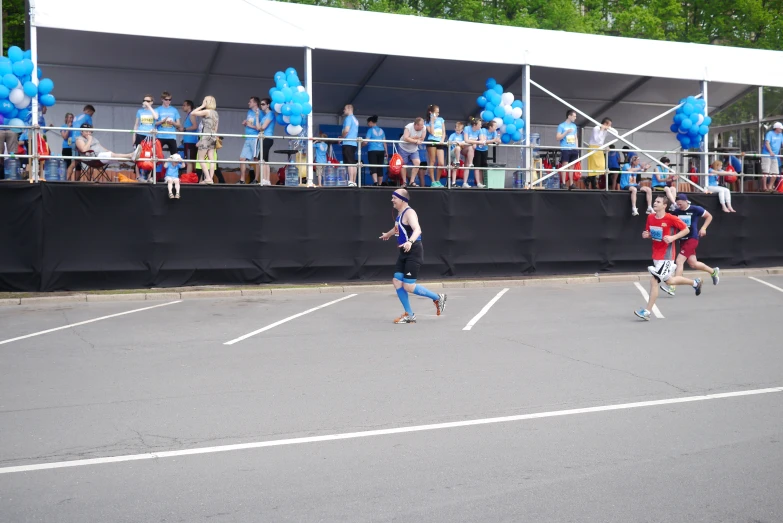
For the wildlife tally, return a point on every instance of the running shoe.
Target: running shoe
(240, 182)
(668, 289)
(698, 286)
(715, 276)
(634, 211)
(571, 187)
(176, 196)
(405, 318)
(440, 304)
(466, 186)
(643, 314)
(351, 184)
(481, 185)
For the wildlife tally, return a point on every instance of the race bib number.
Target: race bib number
(147, 119)
(571, 139)
(686, 219)
(656, 233)
(437, 132)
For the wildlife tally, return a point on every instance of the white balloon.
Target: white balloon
(498, 122)
(508, 109)
(699, 119)
(287, 119)
(516, 112)
(301, 88)
(502, 129)
(16, 95)
(24, 103)
(507, 99)
(278, 108)
(293, 129)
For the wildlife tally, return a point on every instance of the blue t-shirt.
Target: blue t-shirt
(321, 148)
(614, 160)
(352, 126)
(569, 141)
(691, 217)
(482, 136)
(439, 127)
(250, 128)
(29, 121)
(712, 179)
(456, 138)
(172, 169)
(775, 141)
(655, 181)
(146, 121)
(270, 129)
(78, 121)
(376, 133)
(165, 129)
(471, 134)
(192, 138)
(625, 177)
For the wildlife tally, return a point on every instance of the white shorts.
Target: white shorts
(769, 165)
(104, 155)
(662, 270)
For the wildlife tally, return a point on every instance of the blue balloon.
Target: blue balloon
(23, 114)
(278, 97)
(18, 69)
(28, 54)
(505, 138)
(279, 119)
(511, 128)
(296, 119)
(686, 124)
(296, 110)
(481, 101)
(500, 112)
(519, 123)
(507, 119)
(293, 81)
(678, 118)
(6, 68)
(307, 108)
(26, 78)
(40, 73)
(488, 94)
(10, 81)
(487, 116)
(286, 110)
(30, 89)
(5, 107)
(498, 88)
(495, 98)
(690, 100)
(704, 130)
(687, 109)
(290, 71)
(491, 83)
(47, 100)
(516, 136)
(490, 107)
(517, 103)
(271, 90)
(693, 133)
(15, 54)
(685, 141)
(28, 66)
(707, 121)
(288, 93)
(4, 92)
(674, 127)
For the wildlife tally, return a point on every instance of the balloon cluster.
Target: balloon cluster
(290, 101)
(501, 108)
(690, 122)
(17, 88)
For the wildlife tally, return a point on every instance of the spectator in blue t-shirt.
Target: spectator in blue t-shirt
(456, 141)
(713, 185)
(436, 144)
(252, 123)
(321, 156)
(190, 125)
(377, 152)
(173, 165)
(476, 136)
(628, 182)
(84, 118)
(569, 143)
(614, 167)
(770, 164)
(166, 122)
(350, 145)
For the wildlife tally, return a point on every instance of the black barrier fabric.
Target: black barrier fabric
(66, 236)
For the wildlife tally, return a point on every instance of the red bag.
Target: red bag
(188, 178)
(730, 178)
(395, 164)
(330, 156)
(43, 147)
(145, 159)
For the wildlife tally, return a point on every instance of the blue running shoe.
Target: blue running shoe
(643, 314)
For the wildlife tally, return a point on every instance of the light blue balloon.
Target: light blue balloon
(296, 110)
(500, 112)
(678, 118)
(293, 81)
(5, 107)
(40, 73)
(279, 119)
(15, 54)
(288, 93)
(271, 90)
(23, 114)
(490, 107)
(511, 128)
(45, 86)
(290, 71)
(491, 83)
(19, 69)
(296, 119)
(688, 109)
(517, 103)
(6, 67)
(516, 136)
(685, 141)
(488, 94)
(30, 89)
(28, 54)
(505, 138)
(10, 81)
(519, 123)
(498, 88)
(487, 116)
(286, 110)
(28, 66)
(686, 124)
(704, 130)
(707, 121)
(690, 100)
(507, 119)
(4, 92)
(481, 101)
(278, 97)
(47, 100)
(297, 97)
(307, 108)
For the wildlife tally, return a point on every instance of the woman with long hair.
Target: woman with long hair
(724, 195)
(436, 144)
(476, 137)
(207, 145)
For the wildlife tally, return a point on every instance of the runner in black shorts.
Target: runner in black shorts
(406, 271)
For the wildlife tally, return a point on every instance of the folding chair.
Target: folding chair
(94, 170)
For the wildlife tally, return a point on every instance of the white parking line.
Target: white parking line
(275, 324)
(483, 311)
(381, 432)
(767, 284)
(88, 321)
(655, 310)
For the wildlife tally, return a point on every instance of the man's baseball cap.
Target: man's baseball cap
(682, 196)
(778, 125)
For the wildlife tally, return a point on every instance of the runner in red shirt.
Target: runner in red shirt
(660, 229)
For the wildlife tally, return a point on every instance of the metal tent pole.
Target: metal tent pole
(309, 89)
(33, 133)
(705, 159)
(528, 126)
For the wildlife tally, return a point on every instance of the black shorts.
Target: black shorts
(436, 145)
(67, 151)
(568, 156)
(139, 138)
(349, 154)
(170, 144)
(267, 146)
(409, 263)
(480, 158)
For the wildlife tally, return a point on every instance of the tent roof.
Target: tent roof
(296, 25)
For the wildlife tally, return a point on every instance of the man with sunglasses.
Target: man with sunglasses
(252, 123)
(145, 122)
(166, 123)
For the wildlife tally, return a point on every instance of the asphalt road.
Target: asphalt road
(163, 379)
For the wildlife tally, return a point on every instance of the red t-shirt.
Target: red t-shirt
(660, 227)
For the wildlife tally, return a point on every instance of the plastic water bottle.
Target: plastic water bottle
(50, 170)
(535, 140)
(342, 176)
(11, 166)
(291, 175)
(330, 176)
(62, 170)
(519, 179)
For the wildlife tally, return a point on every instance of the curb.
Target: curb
(336, 289)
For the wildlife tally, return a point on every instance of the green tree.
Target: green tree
(13, 24)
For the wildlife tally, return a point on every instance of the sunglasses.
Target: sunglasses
(166, 99)
(148, 101)
(263, 104)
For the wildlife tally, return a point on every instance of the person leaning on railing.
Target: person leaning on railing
(377, 152)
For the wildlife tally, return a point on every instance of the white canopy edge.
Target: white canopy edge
(264, 22)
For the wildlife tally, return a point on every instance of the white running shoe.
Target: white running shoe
(480, 185)
(634, 211)
(466, 185)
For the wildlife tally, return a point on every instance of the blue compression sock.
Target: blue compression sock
(402, 294)
(421, 291)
